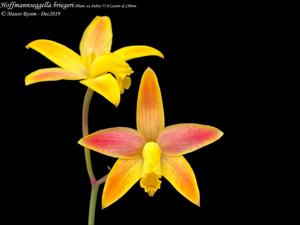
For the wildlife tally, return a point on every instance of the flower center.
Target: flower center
(151, 168)
(123, 83)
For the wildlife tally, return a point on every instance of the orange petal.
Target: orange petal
(120, 142)
(150, 112)
(51, 74)
(181, 175)
(124, 174)
(109, 63)
(137, 51)
(105, 85)
(97, 37)
(183, 138)
(59, 54)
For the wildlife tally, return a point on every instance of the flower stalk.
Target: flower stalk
(87, 154)
(93, 201)
(85, 131)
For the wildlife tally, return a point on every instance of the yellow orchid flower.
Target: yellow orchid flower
(95, 64)
(151, 151)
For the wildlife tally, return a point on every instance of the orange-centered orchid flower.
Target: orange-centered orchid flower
(151, 151)
(95, 64)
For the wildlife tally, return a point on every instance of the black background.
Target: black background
(42, 165)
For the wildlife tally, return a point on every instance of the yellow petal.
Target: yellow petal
(105, 85)
(52, 74)
(120, 83)
(110, 63)
(150, 112)
(137, 51)
(124, 83)
(59, 54)
(124, 174)
(180, 174)
(127, 83)
(97, 37)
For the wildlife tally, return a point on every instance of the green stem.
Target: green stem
(102, 180)
(93, 200)
(85, 131)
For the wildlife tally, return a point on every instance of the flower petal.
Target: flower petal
(52, 74)
(124, 83)
(150, 112)
(181, 175)
(120, 142)
(124, 174)
(110, 63)
(183, 138)
(105, 85)
(137, 51)
(59, 54)
(97, 37)
(127, 82)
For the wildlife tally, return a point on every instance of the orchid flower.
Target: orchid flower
(95, 64)
(153, 150)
